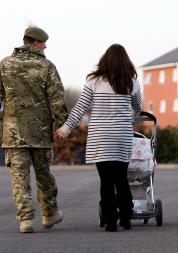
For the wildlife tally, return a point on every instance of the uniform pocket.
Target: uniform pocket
(8, 156)
(11, 136)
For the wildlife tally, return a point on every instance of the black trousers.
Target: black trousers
(115, 190)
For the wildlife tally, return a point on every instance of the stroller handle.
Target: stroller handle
(146, 116)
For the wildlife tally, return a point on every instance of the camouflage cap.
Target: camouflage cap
(36, 33)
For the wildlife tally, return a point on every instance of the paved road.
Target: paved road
(79, 231)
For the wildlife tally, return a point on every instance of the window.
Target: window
(175, 105)
(148, 79)
(174, 75)
(162, 108)
(150, 107)
(162, 76)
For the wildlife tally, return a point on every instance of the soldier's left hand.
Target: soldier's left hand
(59, 134)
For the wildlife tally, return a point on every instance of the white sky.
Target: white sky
(81, 30)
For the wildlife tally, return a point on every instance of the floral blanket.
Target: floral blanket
(142, 155)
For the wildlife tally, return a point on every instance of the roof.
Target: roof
(170, 57)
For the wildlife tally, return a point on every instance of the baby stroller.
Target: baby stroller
(141, 175)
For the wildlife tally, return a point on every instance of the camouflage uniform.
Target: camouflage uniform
(33, 107)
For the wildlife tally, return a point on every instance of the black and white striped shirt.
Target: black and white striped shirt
(110, 132)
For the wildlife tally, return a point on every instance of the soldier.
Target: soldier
(34, 107)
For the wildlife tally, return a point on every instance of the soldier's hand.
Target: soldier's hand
(62, 132)
(58, 134)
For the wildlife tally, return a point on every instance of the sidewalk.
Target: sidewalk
(73, 167)
(92, 167)
(167, 166)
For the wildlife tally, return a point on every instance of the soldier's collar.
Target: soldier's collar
(29, 48)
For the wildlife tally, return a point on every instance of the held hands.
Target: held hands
(59, 134)
(62, 132)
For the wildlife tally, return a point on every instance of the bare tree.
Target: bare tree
(71, 97)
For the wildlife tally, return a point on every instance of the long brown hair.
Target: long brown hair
(116, 66)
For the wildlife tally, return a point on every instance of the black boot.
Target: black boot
(111, 226)
(126, 224)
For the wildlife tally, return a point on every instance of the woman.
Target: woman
(113, 91)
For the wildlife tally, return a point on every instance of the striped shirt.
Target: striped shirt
(110, 132)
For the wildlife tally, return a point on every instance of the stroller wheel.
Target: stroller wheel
(158, 212)
(145, 221)
(102, 221)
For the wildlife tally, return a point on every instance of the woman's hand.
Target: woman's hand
(59, 134)
(62, 132)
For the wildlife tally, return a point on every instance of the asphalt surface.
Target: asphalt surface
(79, 232)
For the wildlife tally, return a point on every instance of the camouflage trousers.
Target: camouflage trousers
(19, 160)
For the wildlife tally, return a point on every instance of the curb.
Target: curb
(73, 167)
(166, 166)
(93, 167)
(83, 167)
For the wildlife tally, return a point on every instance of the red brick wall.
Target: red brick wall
(156, 92)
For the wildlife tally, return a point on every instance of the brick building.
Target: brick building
(160, 86)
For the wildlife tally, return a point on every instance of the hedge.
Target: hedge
(167, 145)
(71, 150)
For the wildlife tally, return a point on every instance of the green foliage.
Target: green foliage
(167, 145)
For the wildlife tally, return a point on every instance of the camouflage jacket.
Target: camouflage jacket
(33, 97)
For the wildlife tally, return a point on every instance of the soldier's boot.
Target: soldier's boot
(26, 226)
(49, 222)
